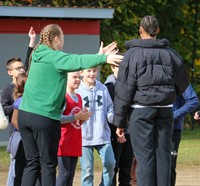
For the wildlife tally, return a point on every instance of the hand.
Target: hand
(32, 36)
(109, 49)
(121, 139)
(114, 59)
(83, 115)
(196, 116)
(120, 132)
(85, 109)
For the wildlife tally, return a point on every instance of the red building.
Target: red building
(81, 27)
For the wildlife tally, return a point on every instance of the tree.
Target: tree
(176, 18)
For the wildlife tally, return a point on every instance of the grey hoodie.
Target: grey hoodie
(96, 131)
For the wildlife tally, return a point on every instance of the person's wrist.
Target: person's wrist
(75, 117)
(106, 57)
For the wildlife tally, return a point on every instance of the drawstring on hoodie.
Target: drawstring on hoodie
(93, 104)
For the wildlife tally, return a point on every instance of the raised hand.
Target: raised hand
(32, 36)
(109, 49)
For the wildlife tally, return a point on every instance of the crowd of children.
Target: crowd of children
(52, 127)
(39, 122)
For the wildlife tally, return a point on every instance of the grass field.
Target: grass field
(189, 151)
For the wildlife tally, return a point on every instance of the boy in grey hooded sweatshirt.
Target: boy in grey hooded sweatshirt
(96, 131)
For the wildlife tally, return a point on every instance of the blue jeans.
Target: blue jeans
(87, 164)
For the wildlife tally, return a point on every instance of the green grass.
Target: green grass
(4, 159)
(189, 151)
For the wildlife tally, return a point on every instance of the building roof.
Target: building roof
(55, 12)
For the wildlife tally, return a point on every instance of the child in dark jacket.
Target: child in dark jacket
(184, 104)
(121, 145)
(15, 68)
(15, 147)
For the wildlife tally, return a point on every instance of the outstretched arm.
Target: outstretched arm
(81, 116)
(191, 102)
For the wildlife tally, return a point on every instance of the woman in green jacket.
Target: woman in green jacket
(44, 98)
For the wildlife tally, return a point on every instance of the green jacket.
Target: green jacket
(45, 88)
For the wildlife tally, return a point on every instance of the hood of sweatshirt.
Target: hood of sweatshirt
(86, 88)
(40, 53)
(147, 43)
(110, 79)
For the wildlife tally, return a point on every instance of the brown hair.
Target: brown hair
(150, 25)
(19, 86)
(11, 61)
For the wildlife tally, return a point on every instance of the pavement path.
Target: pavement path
(187, 175)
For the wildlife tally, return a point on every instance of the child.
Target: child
(95, 131)
(14, 68)
(121, 145)
(44, 98)
(183, 105)
(18, 160)
(70, 145)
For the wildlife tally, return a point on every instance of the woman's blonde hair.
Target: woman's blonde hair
(47, 34)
